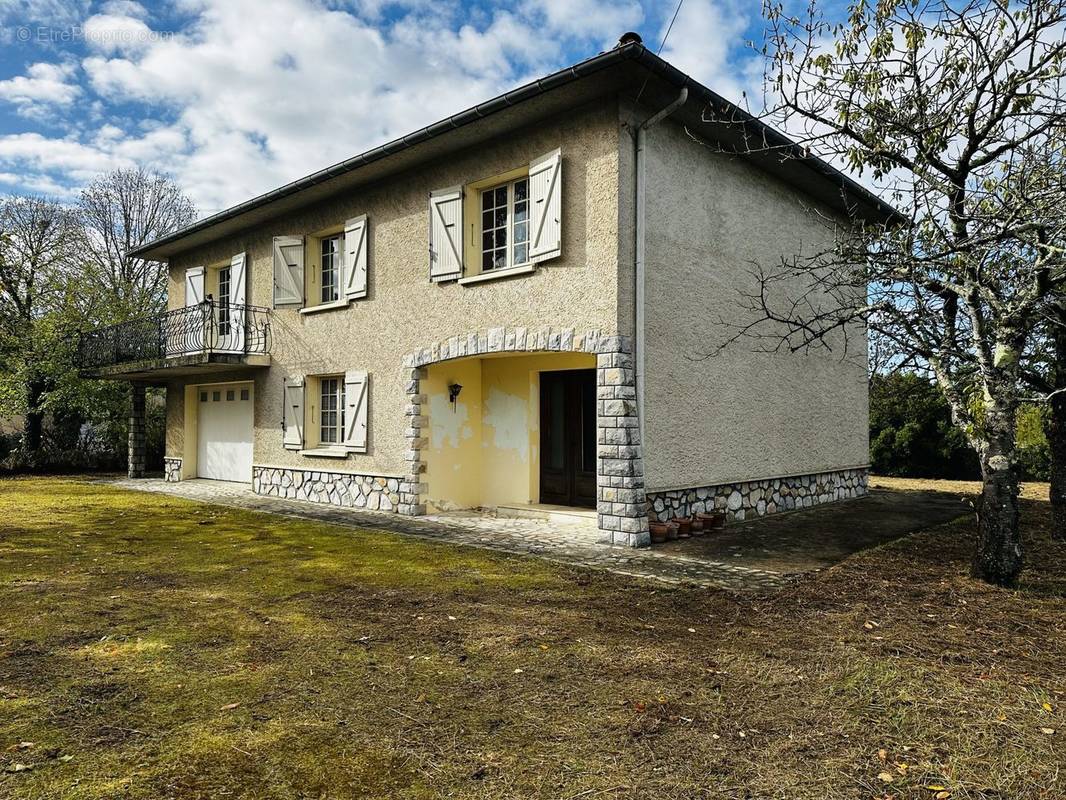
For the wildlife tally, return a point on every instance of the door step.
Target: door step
(557, 515)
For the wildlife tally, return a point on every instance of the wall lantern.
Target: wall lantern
(453, 393)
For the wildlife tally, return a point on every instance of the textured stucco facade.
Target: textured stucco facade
(783, 426)
(738, 415)
(404, 309)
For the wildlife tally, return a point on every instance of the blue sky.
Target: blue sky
(234, 97)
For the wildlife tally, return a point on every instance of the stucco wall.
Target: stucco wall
(404, 310)
(740, 415)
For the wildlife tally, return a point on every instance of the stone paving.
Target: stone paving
(576, 545)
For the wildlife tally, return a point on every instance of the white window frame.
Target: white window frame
(334, 271)
(224, 281)
(509, 227)
(335, 394)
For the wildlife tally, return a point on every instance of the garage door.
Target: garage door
(224, 432)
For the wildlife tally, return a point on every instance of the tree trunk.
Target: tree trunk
(33, 426)
(1055, 430)
(998, 559)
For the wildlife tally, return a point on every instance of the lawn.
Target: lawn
(152, 647)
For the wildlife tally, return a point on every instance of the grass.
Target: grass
(156, 648)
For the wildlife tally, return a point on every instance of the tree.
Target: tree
(911, 433)
(120, 211)
(946, 105)
(35, 253)
(1045, 374)
(63, 269)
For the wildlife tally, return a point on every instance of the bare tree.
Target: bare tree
(946, 104)
(121, 211)
(36, 244)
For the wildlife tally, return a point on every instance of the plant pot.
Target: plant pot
(671, 531)
(697, 526)
(713, 521)
(659, 531)
(684, 527)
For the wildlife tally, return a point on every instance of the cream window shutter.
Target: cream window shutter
(445, 234)
(355, 260)
(194, 286)
(293, 419)
(238, 280)
(545, 194)
(288, 271)
(356, 398)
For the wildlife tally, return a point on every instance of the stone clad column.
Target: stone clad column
(138, 433)
(621, 502)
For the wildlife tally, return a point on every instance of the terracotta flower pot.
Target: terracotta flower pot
(713, 521)
(671, 531)
(684, 527)
(659, 531)
(697, 526)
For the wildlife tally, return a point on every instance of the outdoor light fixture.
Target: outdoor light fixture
(453, 393)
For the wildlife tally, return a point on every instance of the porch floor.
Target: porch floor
(579, 545)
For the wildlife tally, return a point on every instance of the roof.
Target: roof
(627, 66)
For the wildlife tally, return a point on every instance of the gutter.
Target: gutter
(640, 228)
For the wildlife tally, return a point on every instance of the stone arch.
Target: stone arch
(621, 501)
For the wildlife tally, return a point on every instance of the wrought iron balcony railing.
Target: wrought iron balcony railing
(210, 327)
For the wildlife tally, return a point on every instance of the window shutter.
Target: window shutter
(355, 258)
(288, 271)
(356, 397)
(231, 336)
(445, 234)
(545, 192)
(194, 286)
(293, 420)
(238, 281)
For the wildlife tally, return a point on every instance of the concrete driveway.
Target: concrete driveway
(819, 537)
(757, 555)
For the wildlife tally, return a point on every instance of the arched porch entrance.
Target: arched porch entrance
(511, 415)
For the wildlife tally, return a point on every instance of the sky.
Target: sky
(236, 97)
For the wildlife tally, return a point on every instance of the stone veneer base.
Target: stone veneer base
(337, 488)
(750, 499)
(171, 469)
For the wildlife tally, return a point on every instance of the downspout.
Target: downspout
(640, 226)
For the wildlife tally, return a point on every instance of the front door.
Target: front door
(568, 437)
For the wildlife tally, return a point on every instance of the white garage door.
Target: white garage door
(224, 432)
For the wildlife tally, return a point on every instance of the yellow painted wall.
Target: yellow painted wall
(452, 453)
(486, 452)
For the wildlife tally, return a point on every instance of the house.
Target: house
(507, 309)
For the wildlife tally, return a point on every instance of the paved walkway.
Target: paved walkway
(574, 545)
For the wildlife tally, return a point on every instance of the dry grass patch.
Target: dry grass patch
(152, 647)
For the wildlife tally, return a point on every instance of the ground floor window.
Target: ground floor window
(331, 415)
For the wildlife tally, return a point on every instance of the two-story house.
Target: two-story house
(507, 310)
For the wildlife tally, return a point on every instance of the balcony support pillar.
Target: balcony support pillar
(138, 432)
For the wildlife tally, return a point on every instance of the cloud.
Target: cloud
(708, 43)
(248, 95)
(43, 84)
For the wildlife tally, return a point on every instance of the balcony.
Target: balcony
(208, 337)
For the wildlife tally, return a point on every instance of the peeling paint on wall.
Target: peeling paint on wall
(450, 423)
(507, 416)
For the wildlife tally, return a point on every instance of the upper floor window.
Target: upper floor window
(332, 258)
(224, 292)
(331, 413)
(505, 225)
